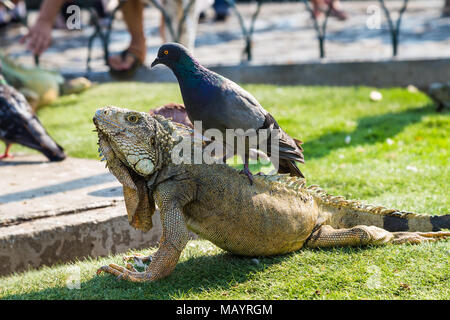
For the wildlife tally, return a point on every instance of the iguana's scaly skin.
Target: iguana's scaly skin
(275, 215)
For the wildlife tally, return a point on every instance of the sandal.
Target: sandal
(127, 73)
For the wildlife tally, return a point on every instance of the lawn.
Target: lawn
(393, 152)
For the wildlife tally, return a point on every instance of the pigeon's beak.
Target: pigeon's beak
(157, 61)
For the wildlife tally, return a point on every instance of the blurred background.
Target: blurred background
(284, 32)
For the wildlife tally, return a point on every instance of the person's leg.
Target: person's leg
(318, 5)
(133, 15)
(162, 32)
(336, 10)
(446, 10)
(222, 9)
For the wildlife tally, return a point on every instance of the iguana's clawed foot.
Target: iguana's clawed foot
(419, 237)
(138, 259)
(122, 273)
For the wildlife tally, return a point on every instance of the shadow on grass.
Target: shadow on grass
(370, 130)
(193, 276)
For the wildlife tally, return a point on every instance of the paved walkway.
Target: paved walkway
(31, 187)
(284, 33)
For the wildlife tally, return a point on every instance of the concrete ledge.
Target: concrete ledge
(52, 212)
(51, 240)
(385, 73)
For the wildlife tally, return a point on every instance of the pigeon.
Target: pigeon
(18, 124)
(222, 104)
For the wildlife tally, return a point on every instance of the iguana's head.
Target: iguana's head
(140, 141)
(135, 146)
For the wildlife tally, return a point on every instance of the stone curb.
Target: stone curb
(380, 73)
(56, 239)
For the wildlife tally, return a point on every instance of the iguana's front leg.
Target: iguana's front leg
(174, 238)
(327, 236)
(138, 258)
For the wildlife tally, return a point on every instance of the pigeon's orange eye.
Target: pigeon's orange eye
(166, 52)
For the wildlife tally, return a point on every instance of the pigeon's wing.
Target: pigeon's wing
(241, 109)
(20, 125)
(244, 111)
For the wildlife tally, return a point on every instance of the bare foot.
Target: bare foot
(119, 62)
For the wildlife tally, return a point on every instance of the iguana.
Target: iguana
(275, 215)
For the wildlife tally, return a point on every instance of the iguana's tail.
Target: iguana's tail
(338, 212)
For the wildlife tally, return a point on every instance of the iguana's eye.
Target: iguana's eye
(132, 118)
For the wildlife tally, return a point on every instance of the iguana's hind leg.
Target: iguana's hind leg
(327, 236)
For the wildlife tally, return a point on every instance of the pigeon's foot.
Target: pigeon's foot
(248, 173)
(6, 156)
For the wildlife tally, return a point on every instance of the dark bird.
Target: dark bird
(18, 124)
(222, 104)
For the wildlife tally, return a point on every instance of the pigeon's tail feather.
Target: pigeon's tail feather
(52, 150)
(33, 135)
(290, 152)
(287, 166)
(289, 149)
(298, 143)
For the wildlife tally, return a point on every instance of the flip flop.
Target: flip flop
(127, 73)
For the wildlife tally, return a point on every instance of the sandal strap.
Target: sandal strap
(127, 52)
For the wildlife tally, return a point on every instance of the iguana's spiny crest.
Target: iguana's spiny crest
(140, 141)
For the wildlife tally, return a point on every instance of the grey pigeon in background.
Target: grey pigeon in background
(18, 124)
(440, 93)
(222, 104)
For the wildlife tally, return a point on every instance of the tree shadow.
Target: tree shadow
(222, 271)
(370, 130)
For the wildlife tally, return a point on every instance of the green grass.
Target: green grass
(206, 272)
(398, 156)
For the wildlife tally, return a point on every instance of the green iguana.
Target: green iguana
(275, 215)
